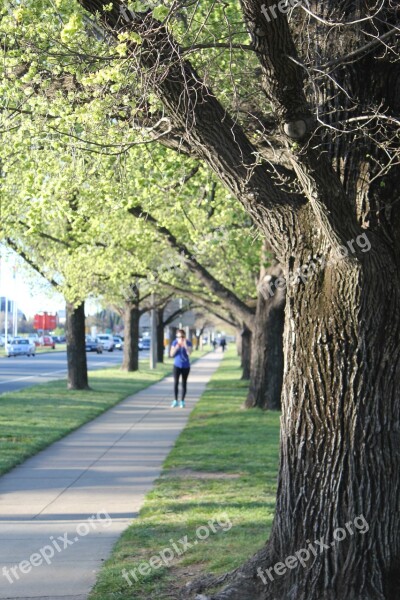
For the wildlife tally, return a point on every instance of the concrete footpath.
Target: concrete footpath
(62, 511)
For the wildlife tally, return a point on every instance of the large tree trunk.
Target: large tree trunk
(131, 337)
(266, 373)
(338, 500)
(76, 352)
(246, 352)
(340, 434)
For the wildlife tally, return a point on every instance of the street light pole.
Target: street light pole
(15, 305)
(180, 308)
(6, 323)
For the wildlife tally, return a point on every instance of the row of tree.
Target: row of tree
(297, 117)
(67, 214)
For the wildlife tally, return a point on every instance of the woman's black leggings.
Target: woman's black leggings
(185, 374)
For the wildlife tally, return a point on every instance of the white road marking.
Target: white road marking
(32, 376)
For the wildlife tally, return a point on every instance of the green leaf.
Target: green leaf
(160, 12)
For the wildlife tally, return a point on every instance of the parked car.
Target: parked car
(20, 347)
(58, 339)
(146, 343)
(34, 339)
(107, 341)
(47, 340)
(93, 345)
(119, 342)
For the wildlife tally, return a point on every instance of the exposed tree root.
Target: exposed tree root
(241, 584)
(194, 588)
(244, 583)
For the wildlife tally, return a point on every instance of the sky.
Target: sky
(31, 291)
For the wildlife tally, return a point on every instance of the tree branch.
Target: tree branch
(282, 81)
(210, 130)
(205, 303)
(30, 262)
(217, 288)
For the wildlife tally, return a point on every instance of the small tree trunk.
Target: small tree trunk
(131, 339)
(239, 342)
(173, 332)
(160, 335)
(266, 373)
(246, 352)
(198, 338)
(76, 352)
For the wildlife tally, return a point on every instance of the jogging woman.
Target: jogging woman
(180, 351)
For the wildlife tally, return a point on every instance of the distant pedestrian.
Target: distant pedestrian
(214, 344)
(222, 343)
(181, 349)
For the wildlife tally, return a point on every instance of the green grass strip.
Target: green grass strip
(224, 462)
(33, 418)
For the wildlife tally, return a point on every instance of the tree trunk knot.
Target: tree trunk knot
(296, 130)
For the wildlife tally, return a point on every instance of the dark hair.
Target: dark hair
(182, 332)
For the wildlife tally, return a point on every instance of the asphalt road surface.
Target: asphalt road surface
(21, 371)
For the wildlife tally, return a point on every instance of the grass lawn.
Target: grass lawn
(223, 468)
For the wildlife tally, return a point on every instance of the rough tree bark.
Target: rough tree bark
(131, 331)
(341, 395)
(76, 353)
(266, 372)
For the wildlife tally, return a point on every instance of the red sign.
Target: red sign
(45, 321)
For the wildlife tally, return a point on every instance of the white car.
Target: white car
(107, 341)
(20, 347)
(119, 342)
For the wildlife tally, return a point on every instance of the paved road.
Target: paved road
(62, 511)
(20, 371)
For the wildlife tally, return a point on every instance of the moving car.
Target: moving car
(93, 345)
(119, 343)
(107, 341)
(20, 347)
